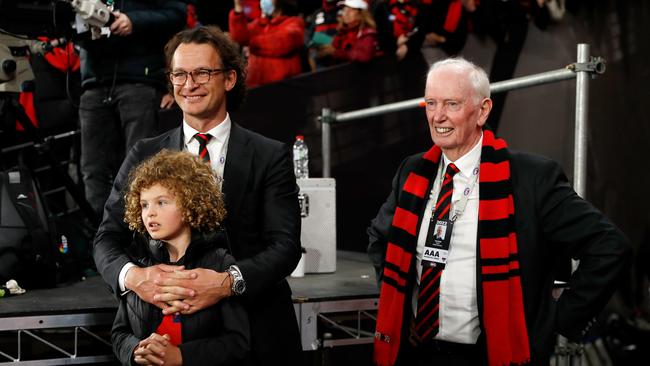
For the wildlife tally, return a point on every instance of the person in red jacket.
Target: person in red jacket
(275, 40)
(356, 40)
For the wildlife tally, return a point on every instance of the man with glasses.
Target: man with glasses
(479, 292)
(207, 75)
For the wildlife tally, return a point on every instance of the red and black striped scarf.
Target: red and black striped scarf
(503, 311)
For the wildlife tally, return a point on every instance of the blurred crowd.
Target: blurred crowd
(283, 38)
(123, 77)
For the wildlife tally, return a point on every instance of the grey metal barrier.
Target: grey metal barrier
(585, 67)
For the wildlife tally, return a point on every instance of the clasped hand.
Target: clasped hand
(178, 290)
(157, 350)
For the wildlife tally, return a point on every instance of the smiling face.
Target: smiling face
(351, 16)
(163, 218)
(454, 111)
(204, 106)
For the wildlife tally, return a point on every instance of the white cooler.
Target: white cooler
(318, 208)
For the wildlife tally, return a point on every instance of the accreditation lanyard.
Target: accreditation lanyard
(436, 247)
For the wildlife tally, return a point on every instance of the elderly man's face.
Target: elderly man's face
(455, 118)
(201, 103)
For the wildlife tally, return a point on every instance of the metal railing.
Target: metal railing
(582, 69)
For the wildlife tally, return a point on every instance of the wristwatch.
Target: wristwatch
(238, 284)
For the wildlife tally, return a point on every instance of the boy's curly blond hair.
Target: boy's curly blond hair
(189, 179)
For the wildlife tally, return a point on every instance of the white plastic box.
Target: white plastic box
(318, 208)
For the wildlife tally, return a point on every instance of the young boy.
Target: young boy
(174, 205)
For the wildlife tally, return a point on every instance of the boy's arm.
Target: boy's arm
(122, 338)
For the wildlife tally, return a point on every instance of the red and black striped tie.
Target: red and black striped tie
(203, 139)
(427, 322)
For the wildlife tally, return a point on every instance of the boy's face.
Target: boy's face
(161, 216)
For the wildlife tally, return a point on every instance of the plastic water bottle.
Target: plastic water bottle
(300, 158)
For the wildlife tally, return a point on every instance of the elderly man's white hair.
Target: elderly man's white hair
(476, 75)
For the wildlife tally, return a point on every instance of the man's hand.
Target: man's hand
(433, 39)
(401, 52)
(122, 25)
(142, 281)
(237, 7)
(470, 5)
(402, 39)
(324, 51)
(189, 291)
(156, 350)
(167, 101)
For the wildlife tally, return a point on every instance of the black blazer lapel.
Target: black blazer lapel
(175, 140)
(238, 166)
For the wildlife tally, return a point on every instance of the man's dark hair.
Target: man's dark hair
(228, 51)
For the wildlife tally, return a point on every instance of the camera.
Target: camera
(21, 21)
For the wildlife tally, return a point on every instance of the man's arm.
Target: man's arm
(280, 220)
(590, 237)
(162, 20)
(379, 226)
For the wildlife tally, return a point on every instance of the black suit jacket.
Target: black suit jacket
(263, 224)
(552, 223)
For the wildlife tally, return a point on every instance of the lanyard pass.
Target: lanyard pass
(436, 247)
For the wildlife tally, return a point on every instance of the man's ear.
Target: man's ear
(230, 78)
(484, 111)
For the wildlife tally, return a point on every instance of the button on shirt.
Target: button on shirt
(459, 321)
(217, 146)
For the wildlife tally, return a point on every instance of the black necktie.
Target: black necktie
(203, 139)
(427, 322)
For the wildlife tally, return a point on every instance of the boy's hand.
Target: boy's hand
(156, 350)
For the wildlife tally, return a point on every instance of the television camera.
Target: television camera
(21, 21)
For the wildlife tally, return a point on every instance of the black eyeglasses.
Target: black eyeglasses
(199, 76)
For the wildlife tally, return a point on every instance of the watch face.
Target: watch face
(239, 287)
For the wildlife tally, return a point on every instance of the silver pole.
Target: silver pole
(326, 147)
(378, 110)
(580, 138)
(532, 80)
(498, 87)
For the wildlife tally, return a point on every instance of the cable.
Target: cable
(19, 36)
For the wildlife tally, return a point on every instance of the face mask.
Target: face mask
(267, 7)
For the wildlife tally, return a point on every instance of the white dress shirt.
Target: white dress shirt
(217, 148)
(458, 312)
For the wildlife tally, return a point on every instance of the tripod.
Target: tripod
(10, 111)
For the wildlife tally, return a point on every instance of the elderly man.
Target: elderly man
(482, 294)
(263, 220)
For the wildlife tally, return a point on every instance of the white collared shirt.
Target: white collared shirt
(217, 146)
(459, 321)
